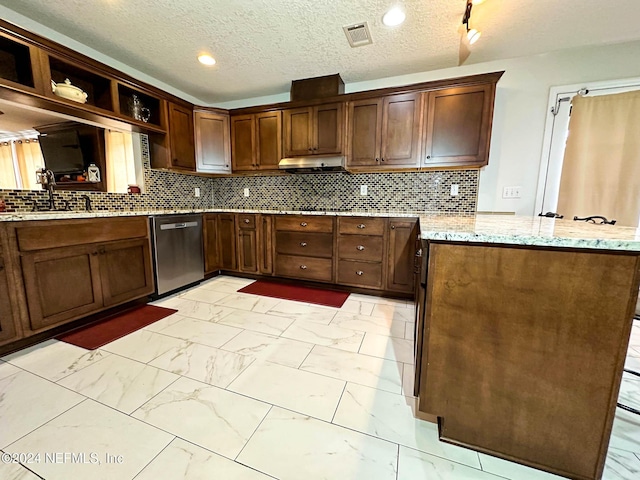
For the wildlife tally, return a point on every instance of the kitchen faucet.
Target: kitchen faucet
(48, 180)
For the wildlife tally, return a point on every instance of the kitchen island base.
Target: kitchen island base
(523, 350)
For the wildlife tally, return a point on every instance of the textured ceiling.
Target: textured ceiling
(261, 45)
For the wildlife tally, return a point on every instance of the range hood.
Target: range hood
(315, 164)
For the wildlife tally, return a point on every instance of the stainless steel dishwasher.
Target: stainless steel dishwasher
(178, 259)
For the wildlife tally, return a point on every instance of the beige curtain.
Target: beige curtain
(29, 160)
(121, 170)
(601, 167)
(7, 170)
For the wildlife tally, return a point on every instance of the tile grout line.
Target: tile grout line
(338, 404)
(235, 459)
(154, 457)
(398, 463)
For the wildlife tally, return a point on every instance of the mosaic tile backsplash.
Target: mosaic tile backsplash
(427, 192)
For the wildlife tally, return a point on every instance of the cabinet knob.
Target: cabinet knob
(360, 247)
(227, 165)
(393, 227)
(310, 149)
(303, 244)
(359, 273)
(377, 159)
(303, 224)
(246, 220)
(382, 159)
(94, 253)
(303, 267)
(361, 226)
(428, 157)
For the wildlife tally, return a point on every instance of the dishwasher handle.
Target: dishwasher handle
(176, 226)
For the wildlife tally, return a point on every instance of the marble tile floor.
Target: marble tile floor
(240, 387)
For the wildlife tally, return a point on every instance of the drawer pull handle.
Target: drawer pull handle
(303, 244)
(360, 273)
(303, 267)
(361, 226)
(360, 247)
(246, 220)
(303, 224)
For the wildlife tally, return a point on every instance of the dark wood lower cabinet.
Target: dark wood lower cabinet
(247, 250)
(226, 226)
(125, 271)
(212, 257)
(7, 323)
(402, 249)
(265, 244)
(524, 349)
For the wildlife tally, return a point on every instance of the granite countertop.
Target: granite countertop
(504, 229)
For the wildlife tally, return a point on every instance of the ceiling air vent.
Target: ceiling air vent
(358, 34)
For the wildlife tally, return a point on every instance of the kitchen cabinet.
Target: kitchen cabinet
(401, 257)
(73, 268)
(304, 247)
(181, 138)
(226, 226)
(8, 329)
(213, 142)
(212, 258)
(314, 130)
(256, 141)
(361, 250)
(458, 126)
(385, 131)
(265, 244)
(247, 243)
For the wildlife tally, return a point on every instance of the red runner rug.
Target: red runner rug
(318, 296)
(99, 334)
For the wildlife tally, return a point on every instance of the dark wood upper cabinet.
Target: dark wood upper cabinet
(181, 137)
(213, 149)
(458, 126)
(385, 131)
(256, 141)
(314, 130)
(401, 130)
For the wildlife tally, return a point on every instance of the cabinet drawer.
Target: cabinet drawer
(66, 233)
(361, 225)
(360, 274)
(307, 244)
(246, 221)
(298, 223)
(309, 268)
(360, 247)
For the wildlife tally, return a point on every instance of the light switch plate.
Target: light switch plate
(511, 192)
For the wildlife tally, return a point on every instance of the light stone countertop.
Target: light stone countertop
(497, 229)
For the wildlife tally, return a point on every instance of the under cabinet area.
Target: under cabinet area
(74, 268)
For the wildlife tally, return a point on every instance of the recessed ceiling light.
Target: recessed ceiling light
(206, 59)
(393, 17)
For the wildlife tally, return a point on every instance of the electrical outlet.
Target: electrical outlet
(363, 190)
(246, 192)
(196, 191)
(454, 189)
(511, 192)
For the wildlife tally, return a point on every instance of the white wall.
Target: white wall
(520, 110)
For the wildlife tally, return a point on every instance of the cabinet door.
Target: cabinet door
(268, 148)
(247, 250)
(401, 130)
(182, 138)
(212, 260)
(213, 149)
(365, 131)
(125, 271)
(7, 323)
(298, 132)
(62, 284)
(243, 143)
(265, 244)
(227, 241)
(402, 244)
(458, 126)
(328, 125)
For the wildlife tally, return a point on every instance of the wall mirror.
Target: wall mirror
(72, 148)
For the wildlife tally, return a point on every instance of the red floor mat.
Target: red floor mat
(99, 334)
(319, 296)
